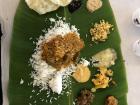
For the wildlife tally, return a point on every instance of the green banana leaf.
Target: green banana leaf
(28, 23)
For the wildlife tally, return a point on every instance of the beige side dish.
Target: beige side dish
(100, 31)
(93, 5)
(82, 73)
(104, 58)
(111, 100)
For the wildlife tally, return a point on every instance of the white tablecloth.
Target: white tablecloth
(123, 10)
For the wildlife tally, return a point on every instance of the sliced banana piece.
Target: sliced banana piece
(42, 6)
(61, 2)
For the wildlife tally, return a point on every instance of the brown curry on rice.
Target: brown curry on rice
(61, 51)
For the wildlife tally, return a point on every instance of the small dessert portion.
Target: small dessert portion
(102, 79)
(105, 58)
(100, 31)
(85, 98)
(93, 5)
(82, 73)
(74, 5)
(111, 100)
(42, 6)
(60, 51)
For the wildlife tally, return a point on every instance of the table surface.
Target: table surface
(123, 10)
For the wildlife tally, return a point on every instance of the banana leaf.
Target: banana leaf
(28, 23)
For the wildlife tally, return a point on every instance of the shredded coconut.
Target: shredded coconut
(56, 83)
(60, 28)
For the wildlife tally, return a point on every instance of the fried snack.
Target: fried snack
(42, 6)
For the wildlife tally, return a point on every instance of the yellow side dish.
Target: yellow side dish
(102, 79)
(82, 73)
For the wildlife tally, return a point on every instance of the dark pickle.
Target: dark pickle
(85, 98)
(74, 5)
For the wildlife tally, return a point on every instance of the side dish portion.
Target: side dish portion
(85, 97)
(93, 5)
(105, 58)
(102, 78)
(81, 74)
(111, 100)
(100, 31)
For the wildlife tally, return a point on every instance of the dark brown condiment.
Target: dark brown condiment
(85, 98)
(74, 5)
(62, 51)
(111, 100)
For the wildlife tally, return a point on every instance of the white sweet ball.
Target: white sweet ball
(136, 47)
(136, 17)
